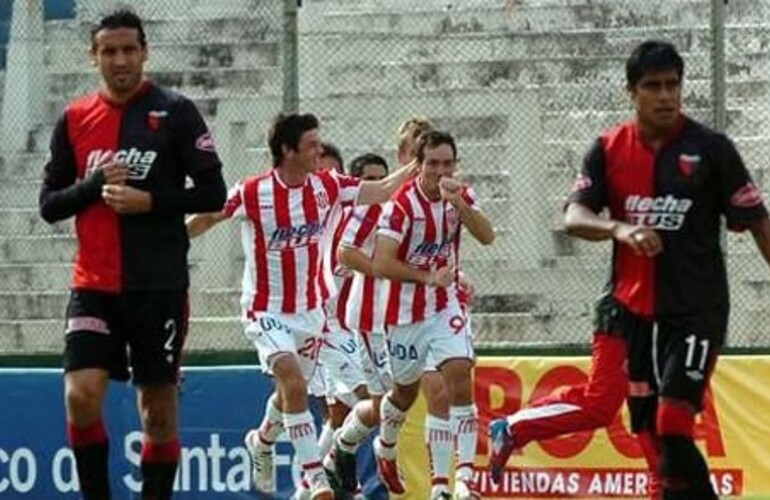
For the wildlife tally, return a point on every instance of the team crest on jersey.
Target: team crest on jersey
(322, 199)
(154, 117)
(688, 164)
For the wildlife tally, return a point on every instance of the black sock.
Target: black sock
(683, 471)
(158, 480)
(93, 471)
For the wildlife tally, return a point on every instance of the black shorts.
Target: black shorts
(145, 330)
(676, 355)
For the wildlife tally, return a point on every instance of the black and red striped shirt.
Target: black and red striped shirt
(682, 191)
(163, 139)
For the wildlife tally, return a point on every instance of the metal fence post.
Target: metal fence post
(290, 57)
(718, 72)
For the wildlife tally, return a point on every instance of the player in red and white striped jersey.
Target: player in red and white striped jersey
(416, 249)
(284, 215)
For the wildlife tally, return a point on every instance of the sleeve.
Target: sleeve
(393, 223)
(193, 139)
(234, 206)
(361, 224)
(469, 197)
(61, 195)
(195, 146)
(590, 188)
(349, 188)
(739, 198)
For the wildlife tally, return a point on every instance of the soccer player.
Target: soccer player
(285, 213)
(331, 158)
(118, 162)
(667, 181)
(416, 249)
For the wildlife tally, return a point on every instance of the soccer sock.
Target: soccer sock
(301, 430)
(91, 449)
(326, 439)
(353, 431)
(438, 439)
(683, 471)
(272, 423)
(650, 445)
(464, 427)
(158, 463)
(391, 420)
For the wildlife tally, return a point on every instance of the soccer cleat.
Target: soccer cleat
(500, 446)
(261, 462)
(466, 490)
(441, 495)
(388, 471)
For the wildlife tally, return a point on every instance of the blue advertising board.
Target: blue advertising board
(217, 406)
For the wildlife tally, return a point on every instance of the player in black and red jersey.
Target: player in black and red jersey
(119, 160)
(666, 181)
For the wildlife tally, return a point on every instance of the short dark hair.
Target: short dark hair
(286, 130)
(356, 168)
(329, 149)
(433, 139)
(652, 56)
(120, 18)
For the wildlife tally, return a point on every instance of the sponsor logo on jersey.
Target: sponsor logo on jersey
(581, 182)
(688, 164)
(665, 213)
(747, 196)
(285, 238)
(139, 162)
(205, 142)
(430, 255)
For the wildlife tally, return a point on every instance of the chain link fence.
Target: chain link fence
(524, 85)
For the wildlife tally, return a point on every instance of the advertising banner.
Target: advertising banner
(732, 432)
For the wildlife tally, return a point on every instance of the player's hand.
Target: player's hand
(413, 168)
(126, 199)
(642, 240)
(442, 277)
(450, 189)
(114, 172)
(466, 286)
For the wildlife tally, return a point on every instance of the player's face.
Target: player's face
(657, 98)
(120, 59)
(438, 162)
(373, 172)
(328, 162)
(308, 152)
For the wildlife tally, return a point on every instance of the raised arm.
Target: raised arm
(374, 192)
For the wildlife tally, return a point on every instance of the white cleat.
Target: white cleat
(262, 467)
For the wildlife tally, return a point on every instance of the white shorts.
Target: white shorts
(316, 386)
(299, 334)
(341, 366)
(374, 359)
(430, 361)
(443, 336)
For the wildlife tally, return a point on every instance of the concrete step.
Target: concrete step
(503, 73)
(152, 10)
(22, 166)
(46, 336)
(41, 277)
(27, 222)
(169, 56)
(494, 16)
(189, 80)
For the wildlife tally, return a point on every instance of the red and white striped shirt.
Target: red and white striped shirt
(428, 234)
(282, 231)
(335, 274)
(361, 305)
